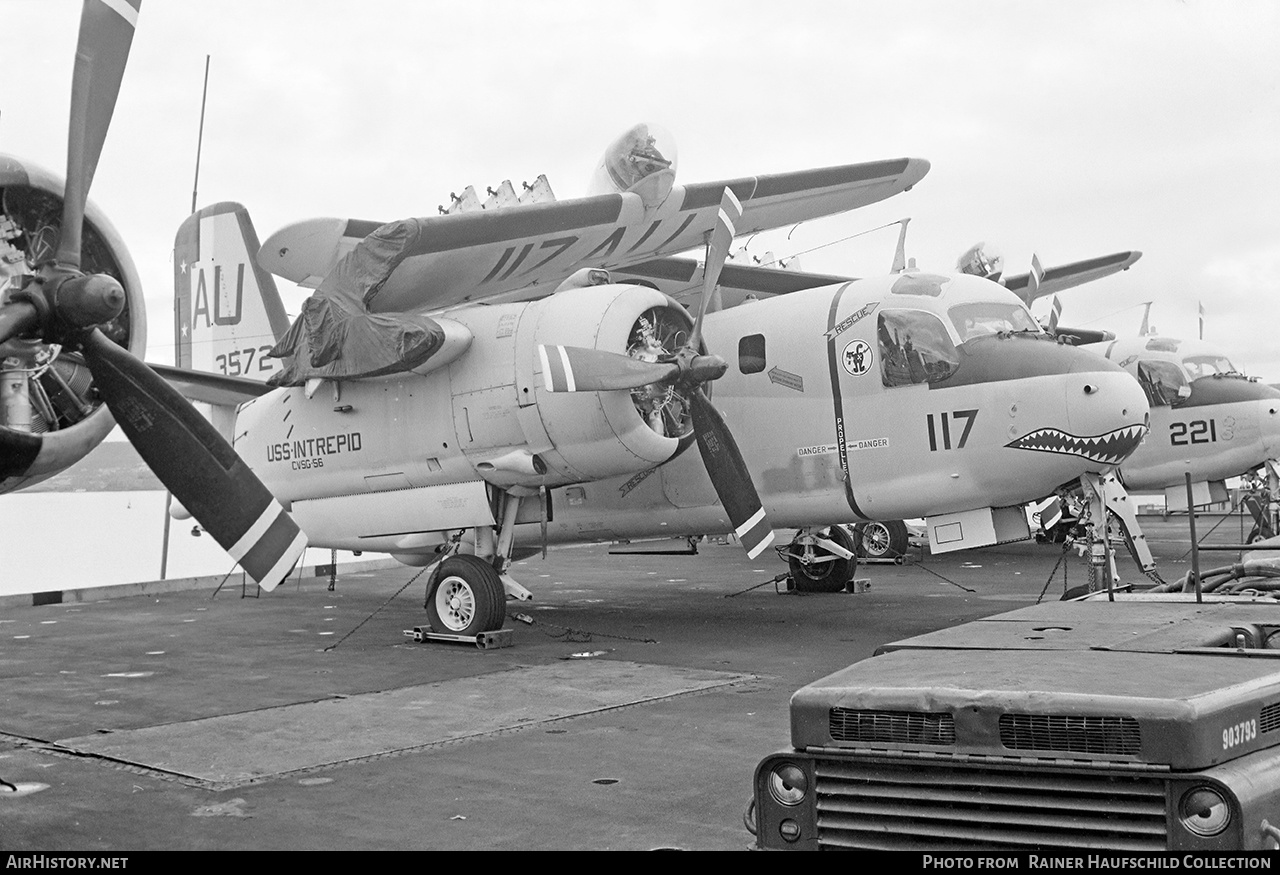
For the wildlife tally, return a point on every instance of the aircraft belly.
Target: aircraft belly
(401, 521)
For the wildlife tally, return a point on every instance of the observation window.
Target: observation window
(751, 358)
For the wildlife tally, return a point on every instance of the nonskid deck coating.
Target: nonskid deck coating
(234, 749)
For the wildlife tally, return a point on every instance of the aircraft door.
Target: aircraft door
(883, 368)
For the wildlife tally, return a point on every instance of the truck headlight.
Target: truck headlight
(1204, 811)
(788, 784)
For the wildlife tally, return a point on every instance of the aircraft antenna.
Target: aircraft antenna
(900, 254)
(1146, 317)
(177, 340)
(204, 95)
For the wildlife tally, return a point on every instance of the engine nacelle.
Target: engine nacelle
(51, 417)
(592, 435)
(642, 161)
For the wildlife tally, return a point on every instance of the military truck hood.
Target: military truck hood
(1158, 682)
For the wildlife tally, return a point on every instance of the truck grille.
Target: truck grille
(1071, 734)
(891, 727)
(927, 806)
(1269, 719)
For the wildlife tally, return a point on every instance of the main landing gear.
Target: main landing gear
(467, 597)
(467, 592)
(820, 560)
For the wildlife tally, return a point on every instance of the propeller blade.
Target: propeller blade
(730, 476)
(577, 369)
(16, 319)
(106, 32)
(194, 462)
(717, 251)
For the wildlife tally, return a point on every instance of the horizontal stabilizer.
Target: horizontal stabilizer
(212, 388)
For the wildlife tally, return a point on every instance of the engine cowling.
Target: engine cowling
(50, 415)
(591, 435)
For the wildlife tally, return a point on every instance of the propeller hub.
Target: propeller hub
(85, 301)
(702, 368)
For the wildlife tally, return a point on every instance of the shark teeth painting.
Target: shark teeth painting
(1106, 449)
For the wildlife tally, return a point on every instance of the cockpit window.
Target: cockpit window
(1198, 366)
(1163, 382)
(990, 317)
(914, 348)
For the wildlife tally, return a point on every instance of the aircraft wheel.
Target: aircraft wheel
(825, 576)
(882, 539)
(467, 598)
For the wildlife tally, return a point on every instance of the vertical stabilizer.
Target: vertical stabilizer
(227, 311)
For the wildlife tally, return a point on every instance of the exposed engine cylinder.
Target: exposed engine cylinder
(65, 419)
(603, 434)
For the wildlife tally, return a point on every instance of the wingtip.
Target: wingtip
(915, 171)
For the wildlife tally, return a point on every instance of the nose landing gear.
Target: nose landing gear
(820, 560)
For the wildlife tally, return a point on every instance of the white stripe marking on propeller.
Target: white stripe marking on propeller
(274, 577)
(124, 10)
(256, 531)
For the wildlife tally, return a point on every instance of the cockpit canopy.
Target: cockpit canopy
(1207, 365)
(929, 315)
(983, 318)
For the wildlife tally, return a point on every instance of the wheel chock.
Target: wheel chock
(483, 640)
(858, 584)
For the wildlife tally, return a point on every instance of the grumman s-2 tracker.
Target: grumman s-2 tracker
(566, 418)
(458, 378)
(1148, 723)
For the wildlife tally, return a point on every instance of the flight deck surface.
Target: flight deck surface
(629, 712)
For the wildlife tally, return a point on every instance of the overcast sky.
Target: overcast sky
(1071, 129)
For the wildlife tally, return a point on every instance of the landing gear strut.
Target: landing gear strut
(467, 594)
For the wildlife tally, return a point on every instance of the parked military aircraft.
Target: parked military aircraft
(887, 538)
(72, 327)
(464, 382)
(1207, 418)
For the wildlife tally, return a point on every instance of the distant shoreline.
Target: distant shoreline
(113, 466)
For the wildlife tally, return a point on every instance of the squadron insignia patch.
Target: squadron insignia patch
(857, 357)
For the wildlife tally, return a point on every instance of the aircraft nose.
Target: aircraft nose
(1107, 411)
(1085, 406)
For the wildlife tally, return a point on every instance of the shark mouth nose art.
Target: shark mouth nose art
(1106, 449)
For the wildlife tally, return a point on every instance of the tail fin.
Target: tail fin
(227, 311)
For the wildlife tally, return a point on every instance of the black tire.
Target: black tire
(828, 576)
(882, 539)
(467, 597)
